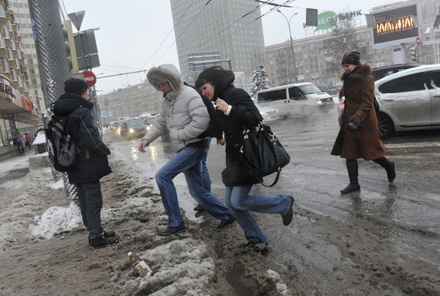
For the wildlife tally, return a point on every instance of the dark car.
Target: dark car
(134, 129)
(150, 121)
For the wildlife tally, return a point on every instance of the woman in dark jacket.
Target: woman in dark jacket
(92, 163)
(235, 111)
(359, 134)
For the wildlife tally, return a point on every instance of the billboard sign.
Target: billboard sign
(395, 26)
(326, 20)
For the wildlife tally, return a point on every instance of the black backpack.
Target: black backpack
(63, 151)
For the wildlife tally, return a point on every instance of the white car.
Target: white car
(268, 113)
(409, 100)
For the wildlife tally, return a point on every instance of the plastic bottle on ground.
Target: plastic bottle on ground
(140, 267)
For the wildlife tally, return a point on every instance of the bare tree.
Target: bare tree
(344, 39)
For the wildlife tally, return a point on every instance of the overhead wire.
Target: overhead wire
(259, 6)
(166, 37)
(184, 30)
(246, 25)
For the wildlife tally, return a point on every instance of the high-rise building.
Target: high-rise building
(225, 32)
(23, 18)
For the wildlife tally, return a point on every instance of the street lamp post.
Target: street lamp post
(291, 43)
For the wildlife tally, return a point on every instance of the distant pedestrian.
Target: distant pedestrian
(19, 142)
(236, 111)
(359, 133)
(28, 140)
(184, 117)
(92, 162)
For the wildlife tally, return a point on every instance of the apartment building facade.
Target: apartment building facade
(130, 102)
(18, 110)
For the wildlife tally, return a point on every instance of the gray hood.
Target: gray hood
(165, 73)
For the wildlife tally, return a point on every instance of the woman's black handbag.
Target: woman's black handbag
(239, 176)
(263, 153)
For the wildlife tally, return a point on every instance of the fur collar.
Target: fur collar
(358, 73)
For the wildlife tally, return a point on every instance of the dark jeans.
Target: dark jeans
(90, 203)
(20, 147)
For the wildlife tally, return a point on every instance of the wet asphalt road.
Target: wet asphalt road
(405, 213)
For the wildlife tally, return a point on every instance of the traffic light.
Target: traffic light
(70, 46)
(413, 54)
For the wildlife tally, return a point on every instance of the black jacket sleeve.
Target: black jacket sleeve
(214, 129)
(87, 135)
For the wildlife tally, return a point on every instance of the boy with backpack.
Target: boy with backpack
(91, 160)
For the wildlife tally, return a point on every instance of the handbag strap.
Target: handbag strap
(274, 181)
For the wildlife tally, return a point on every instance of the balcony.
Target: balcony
(8, 42)
(11, 63)
(8, 75)
(3, 52)
(3, 18)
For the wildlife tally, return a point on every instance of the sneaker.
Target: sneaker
(102, 241)
(171, 230)
(259, 247)
(109, 233)
(199, 208)
(287, 218)
(224, 223)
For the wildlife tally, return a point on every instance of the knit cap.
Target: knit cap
(75, 86)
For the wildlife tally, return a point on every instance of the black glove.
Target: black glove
(351, 126)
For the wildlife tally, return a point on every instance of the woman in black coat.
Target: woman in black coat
(235, 111)
(92, 163)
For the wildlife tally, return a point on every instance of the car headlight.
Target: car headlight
(131, 130)
(319, 102)
(147, 128)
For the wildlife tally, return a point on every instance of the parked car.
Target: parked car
(296, 99)
(381, 72)
(409, 100)
(133, 129)
(267, 112)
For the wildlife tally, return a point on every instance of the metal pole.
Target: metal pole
(52, 59)
(229, 63)
(291, 44)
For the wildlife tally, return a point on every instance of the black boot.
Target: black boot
(352, 168)
(388, 166)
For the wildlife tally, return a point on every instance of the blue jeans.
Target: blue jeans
(187, 161)
(90, 203)
(205, 173)
(240, 203)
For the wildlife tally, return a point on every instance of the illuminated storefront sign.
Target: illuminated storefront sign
(395, 24)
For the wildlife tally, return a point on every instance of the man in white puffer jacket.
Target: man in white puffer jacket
(185, 117)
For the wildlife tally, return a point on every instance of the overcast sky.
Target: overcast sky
(135, 35)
